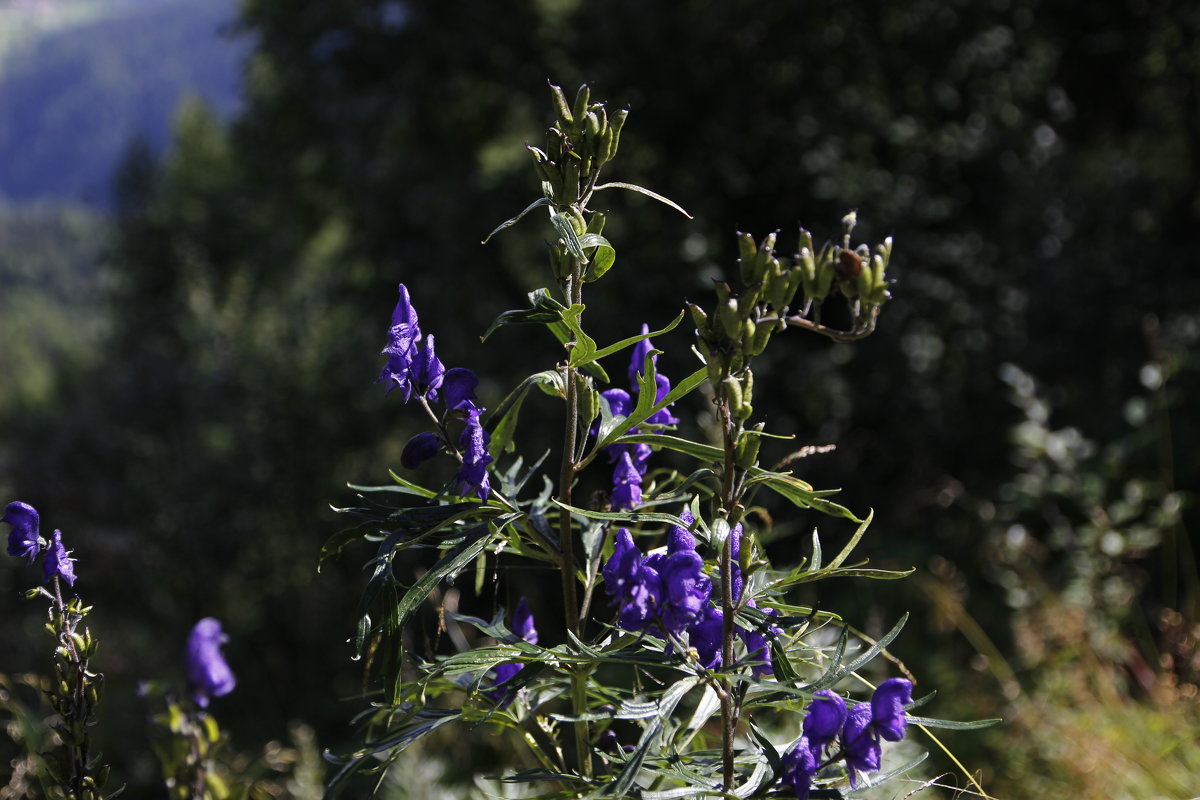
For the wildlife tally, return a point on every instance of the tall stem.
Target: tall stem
(566, 535)
(729, 716)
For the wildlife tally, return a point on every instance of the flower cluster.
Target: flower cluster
(522, 625)
(417, 372)
(631, 459)
(671, 593)
(857, 732)
(25, 541)
(208, 675)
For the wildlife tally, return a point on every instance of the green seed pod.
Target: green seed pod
(731, 321)
(596, 223)
(570, 181)
(592, 121)
(579, 110)
(713, 365)
(589, 400)
(765, 252)
(699, 318)
(746, 249)
(749, 329)
(748, 299)
(733, 392)
(614, 126)
(747, 449)
(758, 343)
(775, 289)
(560, 105)
(743, 412)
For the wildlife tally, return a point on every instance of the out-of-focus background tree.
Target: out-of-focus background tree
(205, 209)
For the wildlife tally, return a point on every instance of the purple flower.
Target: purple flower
(458, 389)
(758, 646)
(620, 404)
(678, 538)
(686, 590)
(426, 371)
(706, 635)
(826, 715)
(735, 546)
(419, 449)
(887, 708)
(57, 563)
(23, 538)
(522, 626)
(208, 675)
(662, 416)
(638, 360)
(402, 344)
(860, 743)
(473, 474)
(627, 490)
(799, 766)
(632, 584)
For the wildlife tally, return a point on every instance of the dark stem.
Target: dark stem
(729, 716)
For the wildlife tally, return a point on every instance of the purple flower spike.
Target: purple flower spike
(638, 359)
(426, 371)
(627, 484)
(887, 708)
(23, 538)
(57, 563)
(619, 402)
(860, 743)
(826, 715)
(419, 449)
(523, 622)
(458, 389)
(473, 474)
(799, 767)
(402, 345)
(208, 675)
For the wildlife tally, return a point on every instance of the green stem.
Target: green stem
(729, 716)
(566, 534)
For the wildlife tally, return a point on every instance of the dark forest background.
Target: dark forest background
(187, 348)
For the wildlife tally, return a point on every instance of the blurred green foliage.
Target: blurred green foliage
(1038, 164)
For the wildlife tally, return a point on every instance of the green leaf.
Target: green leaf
(632, 517)
(541, 201)
(633, 187)
(603, 257)
(562, 224)
(705, 452)
(447, 567)
(854, 540)
(798, 492)
(502, 423)
(584, 349)
(543, 309)
(864, 657)
(949, 724)
(641, 413)
(632, 340)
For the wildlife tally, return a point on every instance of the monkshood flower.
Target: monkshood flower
(473, 473)
(887, 708)
(419, 449)
(631, 584)
(56, 562)
(663, 416)
(758, 646)
(522, 626)
(705, 638)
(23, 538)
(458, 389)
(426, 371)
(627, 489)
(826, 716)
(799, 766)
(208, 675)
(686, 588)
(402, 345)
(638, 360)
(860, 744)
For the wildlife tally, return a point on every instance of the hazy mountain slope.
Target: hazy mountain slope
(72, 99)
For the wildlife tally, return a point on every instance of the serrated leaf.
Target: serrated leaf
(633, 187)
(508, 223)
